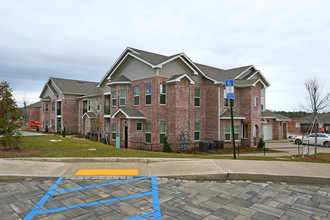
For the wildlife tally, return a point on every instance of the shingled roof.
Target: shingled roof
(273, 115)
(227, 115)
(76, 87)
(323, 118)
(35, 105)
(130, 113)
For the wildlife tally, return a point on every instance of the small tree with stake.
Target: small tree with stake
(317, 101)
(9, 116)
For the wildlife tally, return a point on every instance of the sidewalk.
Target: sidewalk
(193, 169)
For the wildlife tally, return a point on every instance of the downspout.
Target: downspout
(219, 113)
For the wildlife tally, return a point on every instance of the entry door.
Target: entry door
(59, 126)
(126, 137)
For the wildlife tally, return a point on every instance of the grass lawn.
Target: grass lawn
(41, 146)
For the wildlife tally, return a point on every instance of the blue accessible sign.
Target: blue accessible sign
(230, 89)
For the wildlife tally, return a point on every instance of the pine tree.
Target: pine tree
(9, 116)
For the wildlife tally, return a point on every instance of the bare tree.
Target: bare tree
(317, 101)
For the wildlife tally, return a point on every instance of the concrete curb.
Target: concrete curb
(102, 159)
(207, 177)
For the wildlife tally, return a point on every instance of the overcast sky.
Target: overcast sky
(288, 41)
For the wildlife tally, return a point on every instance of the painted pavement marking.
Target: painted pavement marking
(52, 191)
(107, 172)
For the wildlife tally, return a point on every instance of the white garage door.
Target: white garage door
(268, 132)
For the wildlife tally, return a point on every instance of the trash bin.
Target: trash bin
(202, 146)
(218, 144)
(210, 145)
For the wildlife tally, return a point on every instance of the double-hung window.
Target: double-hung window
(46, 107)
(88, 105)
(114, 132)
(228, 132)
(148, 133)
(197, 131)
(163, 94)
(197, 97)
(136, 95)
(148, 94)
(262, 100)
(139, 126)
(114, 98)
(122, 97)
(53, 106)
(162, 132)
(255, 101)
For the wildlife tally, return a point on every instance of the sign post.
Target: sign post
(231, 97)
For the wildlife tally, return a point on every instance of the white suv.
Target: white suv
(322, 139)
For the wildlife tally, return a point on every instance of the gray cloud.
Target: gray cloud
(286, 40)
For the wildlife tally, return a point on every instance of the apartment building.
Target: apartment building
(145, 96)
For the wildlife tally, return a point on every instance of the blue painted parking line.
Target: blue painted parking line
(52, 191)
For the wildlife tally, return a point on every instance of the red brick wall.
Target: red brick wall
(69, 117)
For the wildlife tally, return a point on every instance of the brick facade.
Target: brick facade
(179, 113)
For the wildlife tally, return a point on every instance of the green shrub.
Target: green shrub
(261, 143)
(166, 146)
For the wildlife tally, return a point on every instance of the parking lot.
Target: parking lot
(160, 198)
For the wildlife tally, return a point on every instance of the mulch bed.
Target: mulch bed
(20, 152)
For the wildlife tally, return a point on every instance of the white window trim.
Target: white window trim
(120, 98)
(161, 93)
(113, 97)
(147, 132)
(145, 90)
(199, 131)
(160, 133)
(198, 97)
(138, 95)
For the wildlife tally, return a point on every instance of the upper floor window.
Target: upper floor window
(89, 105)
(139, 126)
(98, 103)
(163, 93)
(197, 97)
(114, 98)
(255, 101)
(122, 97)
(148, 94)
(136, 95)
(53, 106)
(46, 107)
(262, 102)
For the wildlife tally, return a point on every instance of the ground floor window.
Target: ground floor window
(197, 131)
(228, 132)
(53, 123)
(148, 133)
(162, 132)
(236, 132)
(114, 131)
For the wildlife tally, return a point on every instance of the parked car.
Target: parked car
(322, 139)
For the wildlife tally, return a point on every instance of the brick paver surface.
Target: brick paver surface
(178, 199)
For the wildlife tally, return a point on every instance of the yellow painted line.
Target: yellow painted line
(107, 172)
